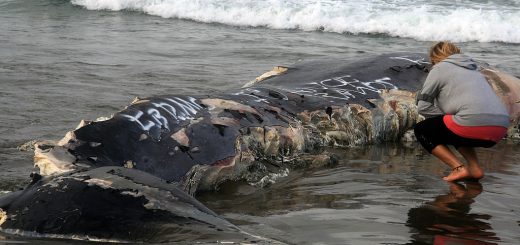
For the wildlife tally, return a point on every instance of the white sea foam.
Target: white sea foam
(460, 20)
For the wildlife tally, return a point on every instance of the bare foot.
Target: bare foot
(458, 173)
(475, 172)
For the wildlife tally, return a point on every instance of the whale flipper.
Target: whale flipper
(113, 204)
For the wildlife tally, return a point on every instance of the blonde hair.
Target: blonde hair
(442, 50)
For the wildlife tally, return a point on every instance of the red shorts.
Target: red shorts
(493, 133)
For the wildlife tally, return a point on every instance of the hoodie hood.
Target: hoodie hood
(462, 61)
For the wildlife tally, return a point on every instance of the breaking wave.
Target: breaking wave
(459, 21)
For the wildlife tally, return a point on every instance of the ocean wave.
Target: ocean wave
(423, 20)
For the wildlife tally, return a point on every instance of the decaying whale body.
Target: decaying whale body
(507, 88)
(113, 204)
(201, 141)
(285, 117)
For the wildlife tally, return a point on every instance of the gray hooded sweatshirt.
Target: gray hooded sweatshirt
(455, 87)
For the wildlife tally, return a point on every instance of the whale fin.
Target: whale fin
(277, 70)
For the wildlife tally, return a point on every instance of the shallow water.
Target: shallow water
(60, 63)
(384, 194)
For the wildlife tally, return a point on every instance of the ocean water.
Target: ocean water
(62, 61)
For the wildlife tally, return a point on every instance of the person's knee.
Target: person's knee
(418, 129)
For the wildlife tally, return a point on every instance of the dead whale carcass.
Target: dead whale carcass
(113, 204)
(287, 117)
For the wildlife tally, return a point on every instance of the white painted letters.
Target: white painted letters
(161, 114)
(344, 87)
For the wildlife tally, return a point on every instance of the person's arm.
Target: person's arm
(427, 96)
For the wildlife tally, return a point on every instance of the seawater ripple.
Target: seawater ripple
(489, 21)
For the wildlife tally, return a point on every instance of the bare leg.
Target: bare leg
(446, 155)
(471, 157)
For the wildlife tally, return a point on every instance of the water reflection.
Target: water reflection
(366, 199)
(448, 219)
